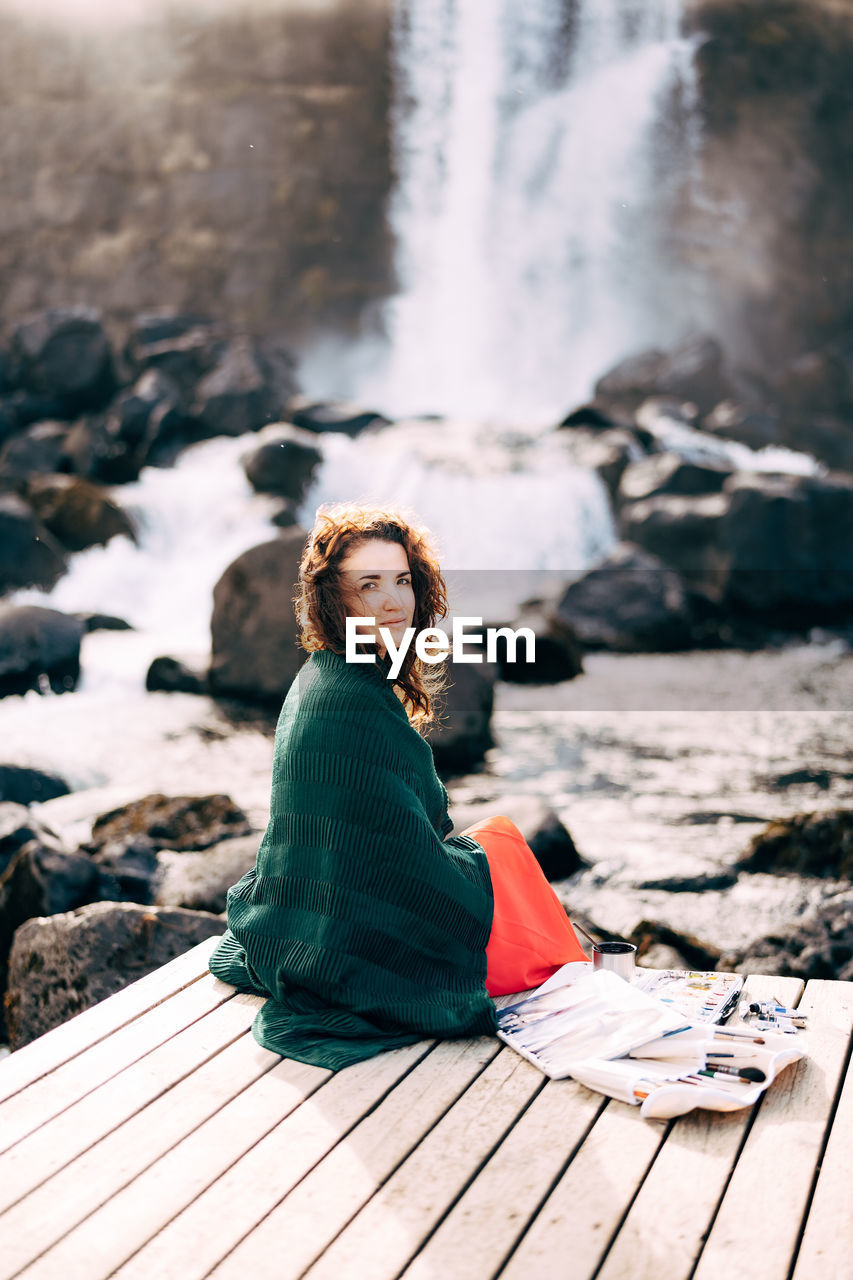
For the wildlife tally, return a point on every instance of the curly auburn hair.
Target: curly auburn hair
(319, 600)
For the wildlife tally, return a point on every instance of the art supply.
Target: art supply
(700, 995)
(749, 1075)
(590, 939)
(616, 957)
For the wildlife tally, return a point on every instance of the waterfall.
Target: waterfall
(539, 150)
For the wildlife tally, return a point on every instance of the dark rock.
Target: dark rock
(145, 424)
(558, 654)
(64, 353)
(78, 513)
(683, 532)
(39, 649)
(22, 408)
(24, 786)
(824, 436)
(38, 448)
(632, 379)
(464, 735)
(692, 884)
(102, 622)
(286, 517)
(235, 397)
(18, 826)
(669, 473)
(61, 966)
(590, 415)
(130, 869)
(202, 880)
(184, 348)
(29, 555)
(168, 822)
(819, 946)
(692, 371)
(809, 844)
(787, 546)
(649, 935)
(254, 634)
(553, 847)
(168, 675)
(284, 461)
(39, 881)
(316, 415)
(751, 425)
(630, 602)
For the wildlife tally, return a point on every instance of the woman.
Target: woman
(365, 926)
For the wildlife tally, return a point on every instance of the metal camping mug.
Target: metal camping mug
(618, 957)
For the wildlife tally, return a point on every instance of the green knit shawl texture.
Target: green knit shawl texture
(364, 927)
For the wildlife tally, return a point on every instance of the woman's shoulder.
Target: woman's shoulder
(331, 692)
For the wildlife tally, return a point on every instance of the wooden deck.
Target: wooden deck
(152, 1137)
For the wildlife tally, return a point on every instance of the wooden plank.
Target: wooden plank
(484, 1225)
(581, 1214)
(86, 1029)
(383, 1237)
(51, 1094)
(664, 1230)
(111, 1235)
(827, 1247)
(781, 1151)
(55, 1144)
(81, 1187)
(328, 1196)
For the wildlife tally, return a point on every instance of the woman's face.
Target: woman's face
(377, 584)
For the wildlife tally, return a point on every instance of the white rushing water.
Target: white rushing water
(539, 149)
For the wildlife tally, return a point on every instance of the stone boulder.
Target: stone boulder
(169, 675)
(40, 881)
(201, 880)
(39, 649)
(283, 462)
(20, 409)
(463, 735)
(558, 653)
(22, 786)
(787, 546)
(60, 966)
(692, 371)
(596, 417)
(818, 946)
(40, 447)
(254, 654)
(541, 827)
(236, 396)
(182, 347)
(29, 555)
(631, 602)
(64, 353)
(661, 947)
(809, 844)
(320, 416)
(683, 532)
(18, 826)
(168, 822)
(144, 424)
(669, 473)
(78, 513)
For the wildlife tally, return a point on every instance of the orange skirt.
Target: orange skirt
(531, 933)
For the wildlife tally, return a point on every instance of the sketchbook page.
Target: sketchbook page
(700, 995)
(599, 1016)
(565, 976)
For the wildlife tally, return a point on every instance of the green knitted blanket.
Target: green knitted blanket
(365, 928)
